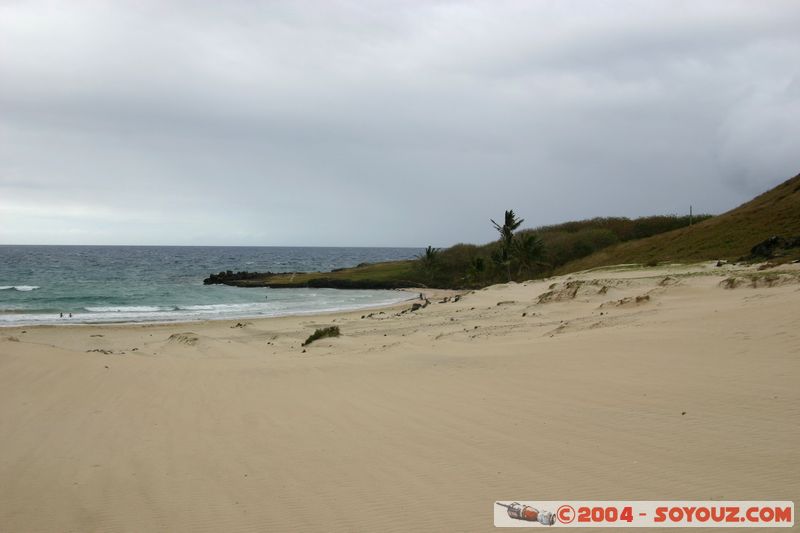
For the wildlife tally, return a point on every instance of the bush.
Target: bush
(562, 247)
(465, 266)
(331, 331)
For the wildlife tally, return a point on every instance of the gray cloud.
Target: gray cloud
(384, 123)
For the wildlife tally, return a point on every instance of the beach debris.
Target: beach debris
(683, 413)
(96, 335)
(321, 333)
(100, 350)
(507, 302)
(418, 306)
(239, 325)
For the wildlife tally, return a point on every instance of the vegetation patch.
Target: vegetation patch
(321, 333)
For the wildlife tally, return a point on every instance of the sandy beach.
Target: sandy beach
(675, 383)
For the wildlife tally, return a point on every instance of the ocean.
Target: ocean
(112, 284)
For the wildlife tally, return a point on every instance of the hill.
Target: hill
(566, 247)
(730, 235)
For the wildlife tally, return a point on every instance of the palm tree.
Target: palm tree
(510, 223)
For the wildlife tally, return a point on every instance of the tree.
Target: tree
(510, 224)
(528, 249)
(429, 260)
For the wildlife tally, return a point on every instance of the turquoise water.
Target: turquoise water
(101, 284)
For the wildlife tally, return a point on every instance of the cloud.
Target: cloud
(385, 123)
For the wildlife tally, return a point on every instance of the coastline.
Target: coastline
(612, 384)
(77, 319)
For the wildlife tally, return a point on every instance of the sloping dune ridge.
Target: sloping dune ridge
(676, 382)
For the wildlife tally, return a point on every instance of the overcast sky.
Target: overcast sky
(396, 123)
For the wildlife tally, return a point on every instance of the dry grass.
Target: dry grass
(727, 236)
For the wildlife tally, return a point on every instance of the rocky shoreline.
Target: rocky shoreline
(317, 280)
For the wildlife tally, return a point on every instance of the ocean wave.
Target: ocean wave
(21, 288)
(227, 307)
(128, 309)
(108, 314)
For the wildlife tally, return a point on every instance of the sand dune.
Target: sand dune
(664, 383)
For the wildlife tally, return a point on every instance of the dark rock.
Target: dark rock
(229, 276)
(769, 248)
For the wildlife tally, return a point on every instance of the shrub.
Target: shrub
(321, 333)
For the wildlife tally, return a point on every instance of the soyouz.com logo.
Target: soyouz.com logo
(619, 514)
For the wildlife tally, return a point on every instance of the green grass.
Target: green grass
(394, 273)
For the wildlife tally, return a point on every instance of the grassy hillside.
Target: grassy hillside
(727, 236)
(566, 247)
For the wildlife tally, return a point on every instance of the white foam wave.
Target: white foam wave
(227, 307)
(21, 288)
(128, 309)
(325, 302)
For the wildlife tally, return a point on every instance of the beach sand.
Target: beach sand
(617, 384)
